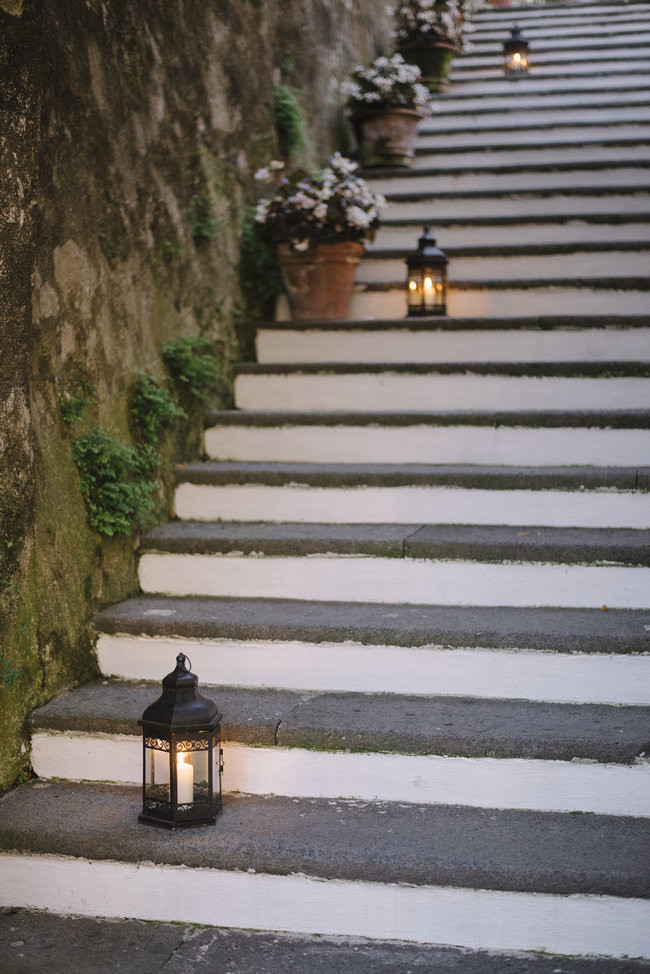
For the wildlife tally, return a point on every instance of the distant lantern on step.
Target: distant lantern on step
(183, 759)
(515, 53)
(426, 285)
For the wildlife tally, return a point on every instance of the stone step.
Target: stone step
(633, 150)
(90, 944)
(426, 875)
(556, 655)
(491, 70)
(510, 298)
(616, 175)
(567, 202)
(526, 122)
(429, 340)
(458, 106)
(602, 260)
(539, 136)
(577, 38)
(515, 439)
(373, 747)
(335, 494)
(548, 57)
(426, 565)
(466, 388)
(475, 234)
(507, 88)
(584, 12)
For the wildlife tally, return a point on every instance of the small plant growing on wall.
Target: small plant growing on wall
(192, 364)
(115, 481)
(289, 120)
(153, 409)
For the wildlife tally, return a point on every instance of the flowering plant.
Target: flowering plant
(387, 81)
(329, 206)
(419, 21)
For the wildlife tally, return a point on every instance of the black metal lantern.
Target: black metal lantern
(515, 53)
(183, 759)
(426, 285)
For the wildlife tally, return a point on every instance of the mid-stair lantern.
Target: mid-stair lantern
(426, 284)
(183, 759)
(516, 59)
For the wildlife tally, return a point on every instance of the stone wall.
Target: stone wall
(119, 123)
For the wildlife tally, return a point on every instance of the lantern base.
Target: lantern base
(437, 313)
(160, 823)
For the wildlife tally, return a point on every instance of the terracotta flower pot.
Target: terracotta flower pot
(386, 135)
(320, 281)
(433, 58)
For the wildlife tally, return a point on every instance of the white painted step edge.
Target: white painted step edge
(412, 505)
(412, 581)
(508, 783)
(351, 667)
(471, 918)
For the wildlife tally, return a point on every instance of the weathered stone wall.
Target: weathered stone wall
(114, 117)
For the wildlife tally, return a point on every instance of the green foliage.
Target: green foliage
(8, 675)
(72, 408)
(114, 481)
(192, 364)
(203, 225)
(289, 120)
(152, 408)
(259, 272)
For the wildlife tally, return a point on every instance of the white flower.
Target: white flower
(300, 245)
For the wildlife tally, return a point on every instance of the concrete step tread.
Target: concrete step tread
(383, 843)
(522, 250)
(620, 631)
(534, 323)
(537, 101)
(584, 419)
(599, 369)
(509, 220)
(34, 942)
(491, 543)
(377, 722)
(585, 166)
(414, 474)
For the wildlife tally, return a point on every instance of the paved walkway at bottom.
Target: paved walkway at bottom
(41, 943)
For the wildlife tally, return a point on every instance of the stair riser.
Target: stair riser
(546, 67)
(607, 789)
(507, 302)
(352, 667)
(598, 13)
(423, 444)
(458, 393)
(411, 505)
(531, 181)
(577, 232)
(564, 61)
(521, 124)
(513, 98)
(537, 156)
(352, 578)
(490, 920)
(493, 47)
(438, 346)
(563, 204)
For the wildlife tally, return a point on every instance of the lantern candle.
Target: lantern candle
(184, 780)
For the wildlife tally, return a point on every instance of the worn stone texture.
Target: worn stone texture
(114, 120)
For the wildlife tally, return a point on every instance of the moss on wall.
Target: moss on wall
(129, 135)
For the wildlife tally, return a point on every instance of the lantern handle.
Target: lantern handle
(181, 660)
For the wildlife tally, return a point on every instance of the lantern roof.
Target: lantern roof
(516, 41)
(427, 253)
(180, 704)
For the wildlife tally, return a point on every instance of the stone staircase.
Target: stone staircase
(414, 572)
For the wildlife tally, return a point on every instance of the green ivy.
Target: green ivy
(259, 273)
(289, 120)
(115, 481)
(203, 225)
(191, 362)
(152, 408)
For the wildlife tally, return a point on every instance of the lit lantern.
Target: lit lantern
(426, 284)
(515, 53)
(183, 759)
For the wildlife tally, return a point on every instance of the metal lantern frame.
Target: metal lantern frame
(516, 59)
(181, 730)
(426, 284)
